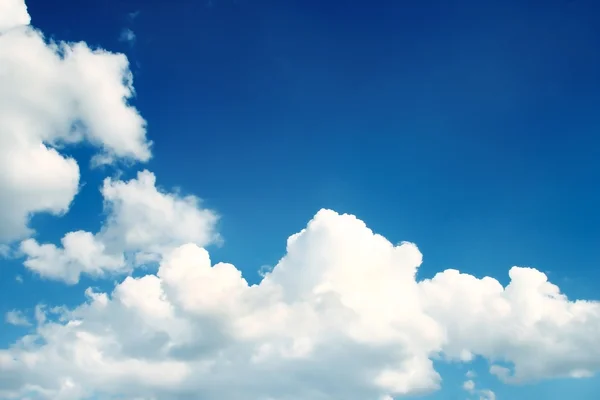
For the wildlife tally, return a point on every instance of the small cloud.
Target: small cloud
(469, 386)
(133, 15)
(483, 394)
(128, 36)
(487, 395)
(19, 278)
(471, 374)
(264, 270)
(16, 318)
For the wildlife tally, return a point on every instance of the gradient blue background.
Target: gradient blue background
(468, 127)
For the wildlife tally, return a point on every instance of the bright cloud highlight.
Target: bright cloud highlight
(342, 315)
(56, 94)
(142, 224)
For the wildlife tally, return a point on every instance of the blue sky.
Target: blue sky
(468, 128)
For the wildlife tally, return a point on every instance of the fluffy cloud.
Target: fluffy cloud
(342, 315)
(56, 94)
(13, 13)
(80, 253)
(469, 386)
(528, 323)
(142, 222)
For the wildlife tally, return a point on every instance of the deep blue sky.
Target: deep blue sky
(468, 127)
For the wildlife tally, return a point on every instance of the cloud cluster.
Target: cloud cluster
(342, 315)
(56, 94)
(142, 224)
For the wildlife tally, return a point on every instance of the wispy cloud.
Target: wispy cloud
(16, 318)
(127, 36)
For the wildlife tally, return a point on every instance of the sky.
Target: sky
(286, 200)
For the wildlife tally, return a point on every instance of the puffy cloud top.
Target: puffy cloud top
(341, 315)
(142, 222)
(13, 13)
(56, 94)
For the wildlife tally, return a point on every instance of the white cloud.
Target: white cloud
(143, 218)
(487, 394)
(13, 13)
(529, 323)
(340, 316)
(55, 94)
(81, 253)
(142, 221)
(16, 317)
(469, 385)
(127, 36)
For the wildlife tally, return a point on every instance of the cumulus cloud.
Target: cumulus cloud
(529, 323)
(13, 13)
(80, 253)
(56, 94)
(143, 222)
(341, 315)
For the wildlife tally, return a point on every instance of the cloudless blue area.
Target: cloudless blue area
(468, 127)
